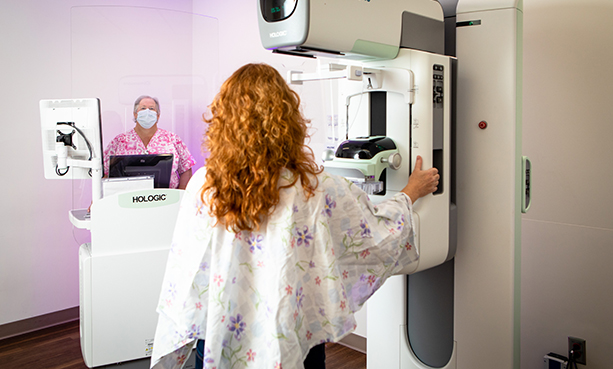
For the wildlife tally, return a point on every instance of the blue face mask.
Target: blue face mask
(147, 118)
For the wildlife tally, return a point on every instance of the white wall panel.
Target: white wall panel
(567, 240)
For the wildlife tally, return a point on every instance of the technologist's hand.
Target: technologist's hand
(421, 182)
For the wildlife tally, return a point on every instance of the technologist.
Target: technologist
(271, 256)
(146, 138)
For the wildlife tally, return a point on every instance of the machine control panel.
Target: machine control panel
(437, 84)
(438, 93)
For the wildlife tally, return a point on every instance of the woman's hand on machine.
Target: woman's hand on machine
(421, 182)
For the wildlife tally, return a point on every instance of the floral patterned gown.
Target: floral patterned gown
(262, 299)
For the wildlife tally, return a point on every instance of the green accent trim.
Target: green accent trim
(518, 191)
(375, 49)
(148, 199)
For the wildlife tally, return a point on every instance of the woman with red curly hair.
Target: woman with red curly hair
(271, 256)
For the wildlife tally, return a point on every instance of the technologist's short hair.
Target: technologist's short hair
(140, 98)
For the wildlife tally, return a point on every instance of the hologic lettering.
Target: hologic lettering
(278, 34)
(150, 198)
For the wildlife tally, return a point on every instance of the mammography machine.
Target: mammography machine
(393, 110)
(397, 99)
(403, 95)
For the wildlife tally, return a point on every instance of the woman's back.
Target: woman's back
(268, 296)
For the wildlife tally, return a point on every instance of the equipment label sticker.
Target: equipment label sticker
(149, 347)
(149, 198)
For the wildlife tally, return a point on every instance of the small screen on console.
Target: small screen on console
(160, 166)
(277, 10)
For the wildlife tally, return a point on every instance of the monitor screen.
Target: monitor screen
(160, 166)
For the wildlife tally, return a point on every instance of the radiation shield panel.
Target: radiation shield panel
(122, 52)
(119, 53)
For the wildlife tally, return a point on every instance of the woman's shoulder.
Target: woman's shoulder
(123, 135)
(200, 174)
(327, 180)
(170, 135)
(329, 186)
(319, 181)
(122, 138)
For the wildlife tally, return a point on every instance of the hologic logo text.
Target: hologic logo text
(150, 198)
(278, 34)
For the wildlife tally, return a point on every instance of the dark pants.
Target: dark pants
(316, 359)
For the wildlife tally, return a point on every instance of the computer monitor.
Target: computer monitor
(160, 166)
(71, 129)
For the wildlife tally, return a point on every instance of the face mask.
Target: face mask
(147, 118)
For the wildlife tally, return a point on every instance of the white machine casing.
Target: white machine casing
(121, 271)
(408, 82)
(337, 28)
(489, 161)
(407, 78)
(85, 114)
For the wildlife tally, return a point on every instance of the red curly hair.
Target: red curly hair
(255, 131)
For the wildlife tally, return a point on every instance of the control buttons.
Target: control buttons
(438, 94)
(438, 78)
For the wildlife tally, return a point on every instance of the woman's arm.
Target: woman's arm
(184, 178)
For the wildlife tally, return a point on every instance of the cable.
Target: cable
(572, 359)
(89, 146)
(347, 102)
(57, 171)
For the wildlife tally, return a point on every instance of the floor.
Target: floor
(59, 348)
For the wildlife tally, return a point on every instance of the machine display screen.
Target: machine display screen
(277, 10)
(160, 166)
